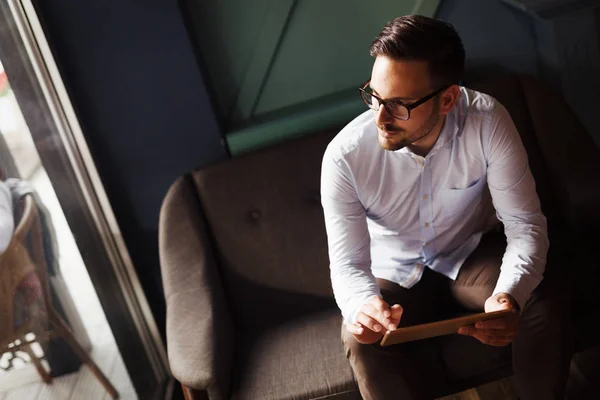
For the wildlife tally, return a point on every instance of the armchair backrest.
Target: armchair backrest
(266, 219)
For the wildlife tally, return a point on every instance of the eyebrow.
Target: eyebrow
(395, 98)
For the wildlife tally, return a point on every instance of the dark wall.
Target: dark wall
(135, 84)
(493, 33)
(560, 46)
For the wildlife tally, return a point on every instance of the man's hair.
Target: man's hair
(418, 38)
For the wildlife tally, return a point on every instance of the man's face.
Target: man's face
(408, 81)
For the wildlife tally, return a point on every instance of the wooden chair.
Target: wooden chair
(16, 264)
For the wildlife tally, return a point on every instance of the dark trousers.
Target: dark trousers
(541, 353)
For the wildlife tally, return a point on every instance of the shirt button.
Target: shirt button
(425, 196)
(426, 224)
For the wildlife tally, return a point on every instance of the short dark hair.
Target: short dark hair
(419, 38)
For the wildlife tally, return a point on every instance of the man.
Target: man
(413, 191)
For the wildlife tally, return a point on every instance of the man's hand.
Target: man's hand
(373, 319)
(500, 331)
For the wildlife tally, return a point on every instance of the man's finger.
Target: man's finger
(396, 310)
(488, 336)
(493, 341)
(499, 343)
(377, 315)
(467, 330)
(381, 306)
(484, 337)
(355, 329)
(491, 336)
(471, 330)
(396, 316)
(368, 322)
(496, 332)
(498, 323)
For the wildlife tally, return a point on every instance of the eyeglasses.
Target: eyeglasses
(395, 107)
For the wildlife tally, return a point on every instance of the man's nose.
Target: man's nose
(382, 116)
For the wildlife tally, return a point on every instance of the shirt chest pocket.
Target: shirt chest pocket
(456, 202)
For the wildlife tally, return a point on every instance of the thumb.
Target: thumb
(504, 303)
(396, 311)
(381, 306)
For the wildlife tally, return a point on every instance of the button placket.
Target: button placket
(426, 211)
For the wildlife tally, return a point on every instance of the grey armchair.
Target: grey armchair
(250, 313)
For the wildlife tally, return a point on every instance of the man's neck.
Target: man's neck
(424, 146)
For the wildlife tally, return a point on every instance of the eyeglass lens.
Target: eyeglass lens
(395, 109)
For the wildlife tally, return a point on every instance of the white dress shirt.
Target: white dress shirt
(391, 214)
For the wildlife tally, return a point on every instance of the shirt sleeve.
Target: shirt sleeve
(7, 223)
(348, 238)
(518, 207)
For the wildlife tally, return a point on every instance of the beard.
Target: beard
(402, 138)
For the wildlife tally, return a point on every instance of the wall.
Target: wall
(134, 81)
(294, 67)
(493, 33)
(559, 47)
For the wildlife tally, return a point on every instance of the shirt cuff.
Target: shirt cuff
(518, 286)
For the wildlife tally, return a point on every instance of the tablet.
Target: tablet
(439, 328)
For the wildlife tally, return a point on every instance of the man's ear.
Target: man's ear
(448, 98)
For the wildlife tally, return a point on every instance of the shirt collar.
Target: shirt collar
(449, 129)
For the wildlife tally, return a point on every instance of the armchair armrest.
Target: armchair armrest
(199, 327)
(572, 157)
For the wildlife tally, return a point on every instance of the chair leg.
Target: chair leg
(37, 363)
(192, 394)
(61, 328)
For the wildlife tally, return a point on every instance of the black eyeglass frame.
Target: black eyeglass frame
(409, 107)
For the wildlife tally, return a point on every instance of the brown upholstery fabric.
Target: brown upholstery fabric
(578, 262)
(199, 333)
(572, 158)
(266, 217)
(573, 162)
(300, 359)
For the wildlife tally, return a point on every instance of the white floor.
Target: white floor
(23, 383)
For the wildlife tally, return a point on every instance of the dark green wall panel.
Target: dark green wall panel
(280, 68)
(325, 49)
(227, 32)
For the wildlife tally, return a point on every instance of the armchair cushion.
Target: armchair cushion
(299, 359)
